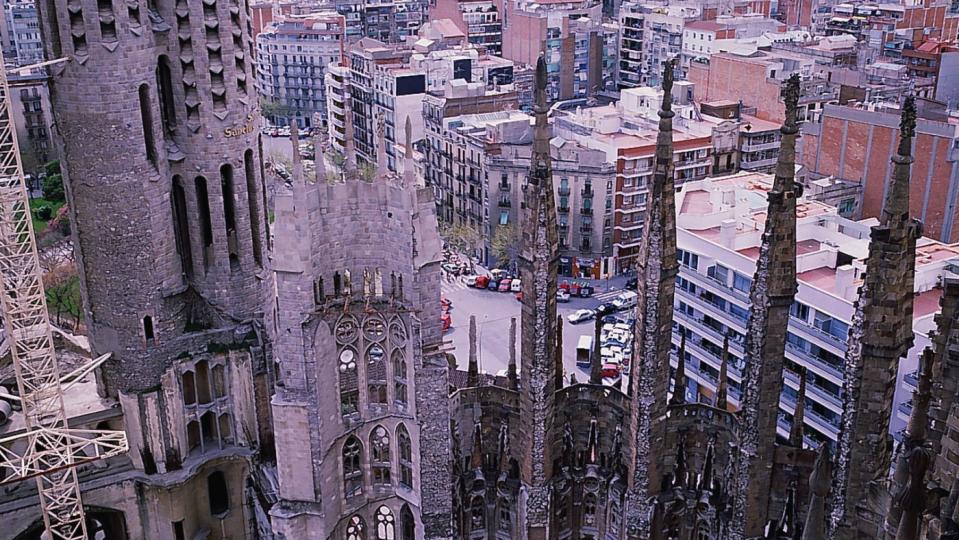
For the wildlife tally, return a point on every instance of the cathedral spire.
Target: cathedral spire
(539, 264)
(656, 268)
(771, 295)
(880, 334)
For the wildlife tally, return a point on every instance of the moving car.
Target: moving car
(581, 315)
(605, 309)
(470, 280)
(562, 296)
(625, 300)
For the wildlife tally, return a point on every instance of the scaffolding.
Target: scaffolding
(48, 451)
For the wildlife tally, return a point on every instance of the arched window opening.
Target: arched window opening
(385, 524)
(146, 118)
(405, 446)
(203, 382)
(356, 529)
(218, 493)
(380, 456)
(349, 383)
(376, 374)
(589, 510)
(229, 211)
(193, 435)
(401, 394)
(407, 523)
(504, 517)
(208, 424)
(189, 388)
(206, 224)
(477, 514)
(181, 227)
(165, 92)
(148, 333)
(352, 467)
(254, 206)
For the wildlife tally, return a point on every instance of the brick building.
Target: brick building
(854, 142)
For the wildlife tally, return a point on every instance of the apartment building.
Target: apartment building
(701, 38)
(21, 33)
(719, 229)
(580, 49)
(632, 25)
(892, 27)
(664, 38)
(481, 20)
(390, 21)
(293, 55)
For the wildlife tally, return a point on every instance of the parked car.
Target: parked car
(504, 285)
(481, 282)
(470, 280)
(581, 315)
(631, 284)
(516, 285)
(584, 351)
(585, 291)
(493, 285)
(562, 296)
(499, 273)
(610, 371)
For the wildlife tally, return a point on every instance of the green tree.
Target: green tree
(505, 246)
(461, 238)
(53, 183)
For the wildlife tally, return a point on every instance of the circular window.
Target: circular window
(346, 330)
(347, 360)
(374, 328)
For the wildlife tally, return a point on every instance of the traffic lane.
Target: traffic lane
(493, 311)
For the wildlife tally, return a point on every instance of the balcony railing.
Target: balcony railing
(586, 211)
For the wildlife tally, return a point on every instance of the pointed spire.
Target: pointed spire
(706, 480)
(679, 380)
(797, 430)
(771, 295)
(681, 469)
(592, 443)
(896, 204)
(722, 388)
(511, 367)
(596, 357)
(472, 378)
(657, 268)
(819, 480)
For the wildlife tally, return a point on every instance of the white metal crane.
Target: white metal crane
(48, 450)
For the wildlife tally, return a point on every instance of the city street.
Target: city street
(493, 311)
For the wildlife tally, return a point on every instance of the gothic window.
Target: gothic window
(148, 333)
(146, 118)
(229, 211)
(349, 383)
(405, 446)
(504, 518)
(407, 524)
(218, 494)
(254, 206)
(352, 468)
(356, 529)
(203, 382)
(589, 510)
(165, 92)
(208, 424)
(181, 229)
(385, 524)
(376, 374)
(399, 377)
(477, 514)
(380, 455)
(206, 225)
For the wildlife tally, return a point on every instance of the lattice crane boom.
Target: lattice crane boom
(52, 450)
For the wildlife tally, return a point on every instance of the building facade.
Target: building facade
(293, 53)
(21, 42)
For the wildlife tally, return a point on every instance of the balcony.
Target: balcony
(505, 204)
(587, 192)
(563, 191)
(586, 229)
(586, 211)
(563, 209)
(757, 145)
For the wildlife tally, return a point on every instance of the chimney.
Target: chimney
(845, 281)
(727, 233)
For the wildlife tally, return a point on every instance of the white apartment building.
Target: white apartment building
(631, 66)
(719, 229)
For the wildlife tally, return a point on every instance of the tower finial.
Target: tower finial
(669, 67)
(540, 85)
(511, 367)
(472, 377)
(907, 126)
(791, 98)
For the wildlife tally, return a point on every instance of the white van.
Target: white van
(625, 300)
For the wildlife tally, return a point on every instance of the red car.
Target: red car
(481, 282)
(610, 371)
(519, 296)
(504, 285)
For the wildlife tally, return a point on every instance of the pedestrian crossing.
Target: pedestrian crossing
(451, 286)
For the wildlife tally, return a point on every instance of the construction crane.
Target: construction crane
(51, 451)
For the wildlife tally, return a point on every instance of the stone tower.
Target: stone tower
(771, 297)
(362, 428)
(657, 270)
(157, 117)
(880, 335)
(539, 262)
